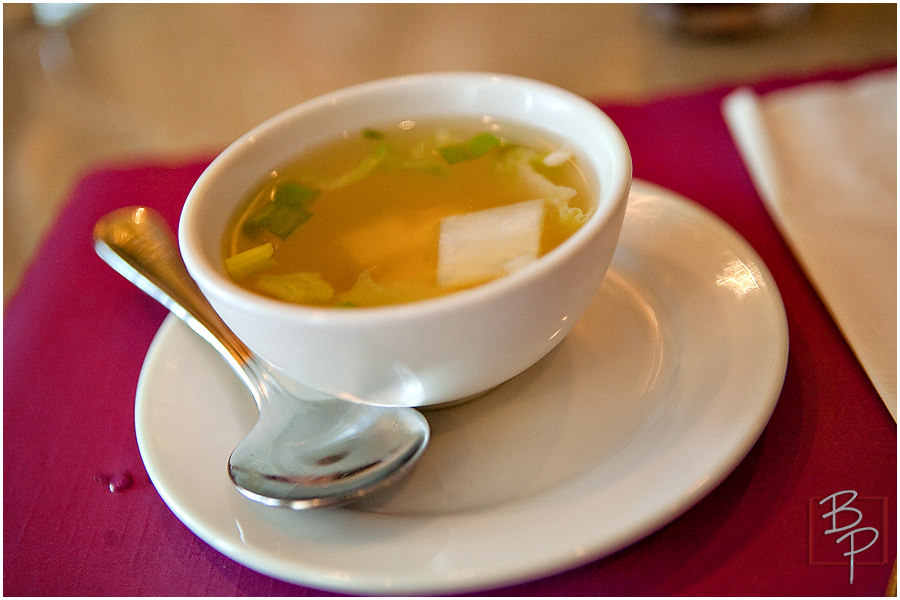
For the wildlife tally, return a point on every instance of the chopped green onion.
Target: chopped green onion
(372, 134)
(280, 219)
(250, 261)
(476, 146)
(294, 194)
(365, 166)
(425, 164)
(287, 211)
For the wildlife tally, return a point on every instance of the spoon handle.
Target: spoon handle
(137, 242)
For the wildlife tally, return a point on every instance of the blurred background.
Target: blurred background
(88, 86)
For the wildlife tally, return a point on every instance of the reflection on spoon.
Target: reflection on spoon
(301, 453)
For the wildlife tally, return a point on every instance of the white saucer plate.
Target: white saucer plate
(653, 399)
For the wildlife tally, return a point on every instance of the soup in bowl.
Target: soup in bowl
(413, 241)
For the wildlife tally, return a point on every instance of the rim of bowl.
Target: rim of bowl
(211, 274)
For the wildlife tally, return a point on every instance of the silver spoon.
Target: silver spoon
(301, 453)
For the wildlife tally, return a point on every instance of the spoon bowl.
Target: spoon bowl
(301, 453)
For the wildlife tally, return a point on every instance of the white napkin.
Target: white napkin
(823, 156)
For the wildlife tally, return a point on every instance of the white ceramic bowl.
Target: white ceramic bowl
(433, 351)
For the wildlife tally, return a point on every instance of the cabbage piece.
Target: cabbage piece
(519, 162)
(367, 292)
(384, 157)
(305, 288)
(482, 245)
(558, 157)
(418, 158)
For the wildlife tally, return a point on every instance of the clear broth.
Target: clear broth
(373, 228)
